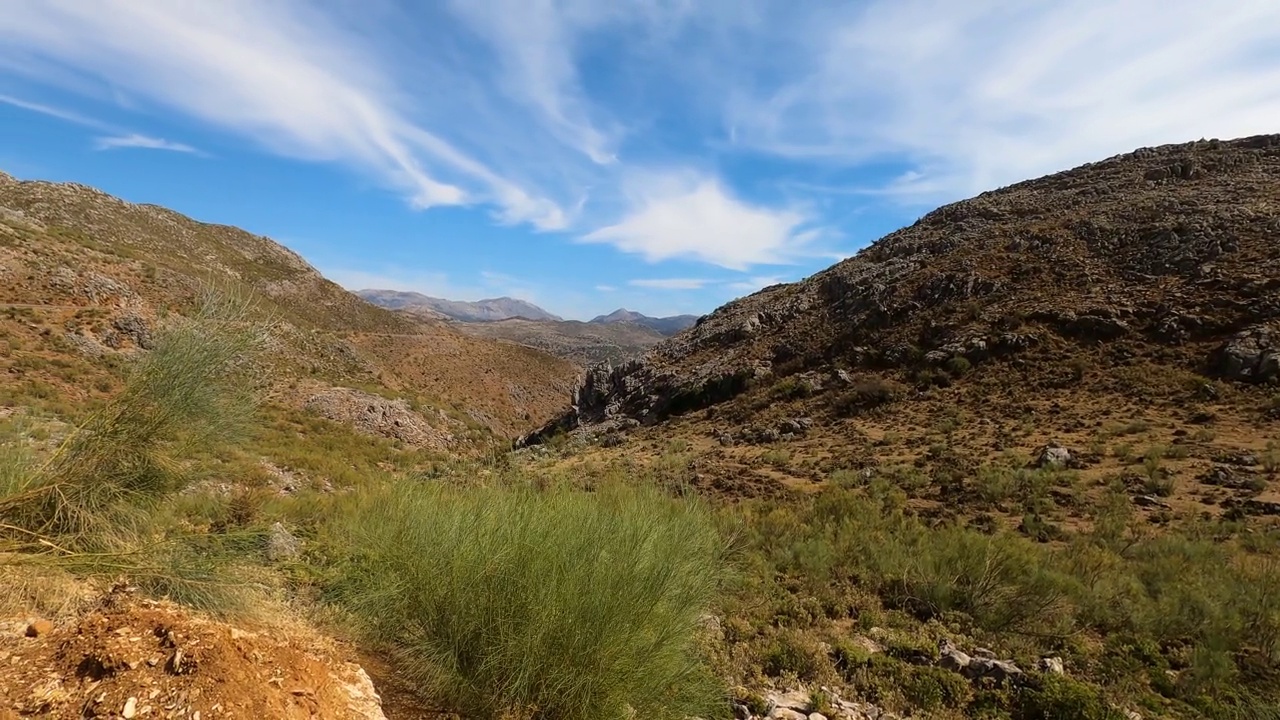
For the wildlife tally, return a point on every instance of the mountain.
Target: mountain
(489, 310)
(1139, 278)
(664, 325)
(84, 277)
(585, 344)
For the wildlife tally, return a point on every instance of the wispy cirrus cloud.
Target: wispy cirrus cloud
(146, 142)
(723, 134)
(670, 283)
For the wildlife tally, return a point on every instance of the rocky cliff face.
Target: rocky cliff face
(1171, 254)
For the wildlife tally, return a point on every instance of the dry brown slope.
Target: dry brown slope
(90, 271)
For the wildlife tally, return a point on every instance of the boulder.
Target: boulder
(1054, 456)
(281, 544)
(1252, 355)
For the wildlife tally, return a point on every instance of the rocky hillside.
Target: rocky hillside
(664, 325)
(85, 276)
(585, 344)
(1163, 259)
(488, 310)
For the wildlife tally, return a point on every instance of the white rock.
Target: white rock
(130, 708)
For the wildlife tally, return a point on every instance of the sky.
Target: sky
(660, 155)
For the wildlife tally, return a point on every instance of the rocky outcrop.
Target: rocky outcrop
(376, 415)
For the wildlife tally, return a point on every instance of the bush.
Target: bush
(1060, 698)
(866, 394)
(501, 601)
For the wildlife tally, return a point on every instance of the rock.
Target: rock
(726, 440)
(817, 716)
(1051, 666)
(1054, 456)
(282, 544)
(1150, 501)
(130, 708)
(787, 714)
(795, 426)
(1000, 671)
(1252, 355)
(952, 658)
(135, 328)
(982, 652)
(39, 628)
(741, 712)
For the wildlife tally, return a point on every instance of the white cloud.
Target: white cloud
(134, 140)
(606, 288)
(970, 96)
(290, 78)
(670, 283)
(686, 216)
(55, 112)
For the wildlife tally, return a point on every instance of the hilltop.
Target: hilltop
(85, 277)
(490, 310)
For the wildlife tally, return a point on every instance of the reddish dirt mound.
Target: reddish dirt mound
(131, 657)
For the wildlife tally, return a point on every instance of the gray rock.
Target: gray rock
(1053, 456)
(135, 328)
(998, 670)
(1252, 355)
(1150, 501)
(952, 658)
(741, 712)
(281, 544)
(1051, 666)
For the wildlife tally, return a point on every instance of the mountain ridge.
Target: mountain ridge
(484, 310)
(1162, 245)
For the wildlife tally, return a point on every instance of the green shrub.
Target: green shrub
(959, 366)
(793, 653)
(1060, 698)
(931, 688)
(867, 394)
(501, 601)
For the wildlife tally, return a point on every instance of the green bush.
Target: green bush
(1060, 698)
(566, 604)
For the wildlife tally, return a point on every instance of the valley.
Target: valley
(1017, 460)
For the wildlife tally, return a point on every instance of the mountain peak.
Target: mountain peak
(665, 325)
(486, 310)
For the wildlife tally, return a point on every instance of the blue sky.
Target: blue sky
(662, 155)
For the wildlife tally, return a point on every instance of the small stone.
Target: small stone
(817, 716)
(787, 714)
(1051, 666)
(130, 708)
(741, 712)
(1054, 456)
(282, 544)
(39, 628)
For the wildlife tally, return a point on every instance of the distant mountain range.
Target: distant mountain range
(505, 308)
(502, 308)
(665, 325)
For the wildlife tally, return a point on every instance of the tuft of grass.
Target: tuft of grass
(96, 505)
(561, 604)
(191, 390)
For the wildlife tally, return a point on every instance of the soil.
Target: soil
(133, 657)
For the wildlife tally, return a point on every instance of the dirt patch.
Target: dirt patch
(131, 657)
